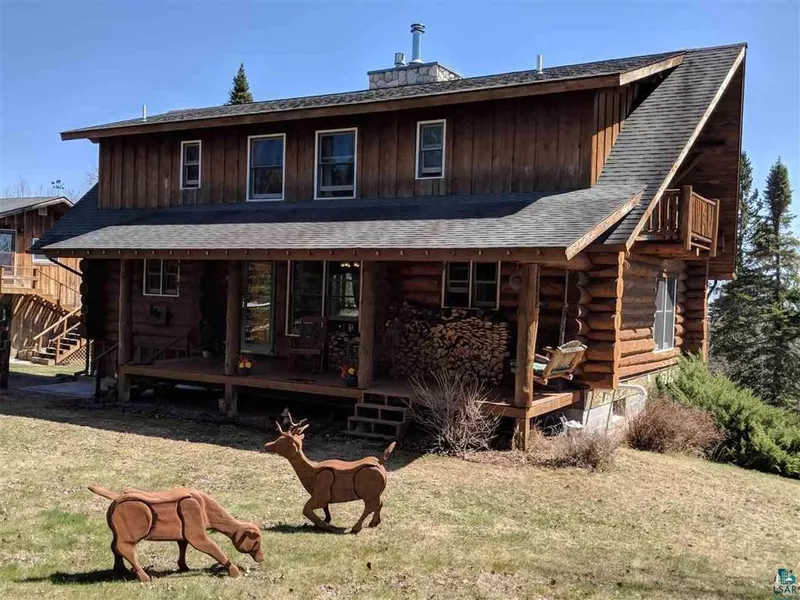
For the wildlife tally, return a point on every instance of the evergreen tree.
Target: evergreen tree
(240, 92)
(756, 319)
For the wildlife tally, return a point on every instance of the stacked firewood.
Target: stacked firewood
(342, 349)
(426, 340)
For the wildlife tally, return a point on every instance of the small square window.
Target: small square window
(190, 165)
(471, 285)
(430, 149)
(161, 277)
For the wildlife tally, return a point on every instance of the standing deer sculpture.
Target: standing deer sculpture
(332, 481)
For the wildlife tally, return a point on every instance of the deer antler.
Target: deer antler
(291, 420)
(278, 425)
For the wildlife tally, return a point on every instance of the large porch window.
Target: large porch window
(471, 285)
(322, 289)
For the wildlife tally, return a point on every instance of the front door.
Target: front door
(258, 303)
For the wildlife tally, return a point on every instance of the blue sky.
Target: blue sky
(77, 63)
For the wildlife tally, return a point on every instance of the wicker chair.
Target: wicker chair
(559, 363)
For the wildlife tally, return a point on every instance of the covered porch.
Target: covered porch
(262, 302)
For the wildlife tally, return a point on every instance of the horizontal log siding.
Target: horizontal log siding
(515, 145)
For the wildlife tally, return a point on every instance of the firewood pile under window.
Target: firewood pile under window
(423, 340)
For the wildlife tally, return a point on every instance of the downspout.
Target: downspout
(63, 266)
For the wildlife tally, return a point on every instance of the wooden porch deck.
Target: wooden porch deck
(274, 374)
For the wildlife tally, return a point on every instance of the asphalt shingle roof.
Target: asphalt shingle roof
(656, 133)
(543, 219)
(592, 69)
(10, 206)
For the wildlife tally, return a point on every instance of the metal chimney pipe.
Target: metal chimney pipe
(399, 59)
(539, 63)
(144, 112)
(417, 29)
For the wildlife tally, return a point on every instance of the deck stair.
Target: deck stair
(379, 416)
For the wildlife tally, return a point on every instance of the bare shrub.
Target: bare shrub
(448, 405)
(586, 449)
(666, 426)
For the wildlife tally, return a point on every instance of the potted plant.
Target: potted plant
(350, 376)
(245, 365)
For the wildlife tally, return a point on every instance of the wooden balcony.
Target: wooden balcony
(685, 220)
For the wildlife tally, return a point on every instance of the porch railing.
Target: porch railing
(35, 280)
(684, 216)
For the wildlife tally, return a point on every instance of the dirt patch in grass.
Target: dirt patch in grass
(654, 526)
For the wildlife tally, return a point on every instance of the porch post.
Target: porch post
(232, 331)
(527, 328)
(366, 324)
(124, 328)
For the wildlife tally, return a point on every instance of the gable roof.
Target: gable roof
(500, 221)
(606, 72)
(657, 135)
(12, 206)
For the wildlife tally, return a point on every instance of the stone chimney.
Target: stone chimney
(417, 71)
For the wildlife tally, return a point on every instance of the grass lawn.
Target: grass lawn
(652, 527)
(27, 368)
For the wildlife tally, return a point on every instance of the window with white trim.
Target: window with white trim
(38, 259)
(190, 164)
(664, 326)
(430, 149)
(336, 164)
(161, 277)
(266, 158)
(471, 285)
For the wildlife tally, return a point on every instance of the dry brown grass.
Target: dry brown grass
(666, 426)
(654, 526)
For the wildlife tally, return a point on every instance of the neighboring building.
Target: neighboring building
(457, 221)
(42, 298)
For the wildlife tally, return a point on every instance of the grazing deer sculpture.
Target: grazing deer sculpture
(331, 481)
(179, 515)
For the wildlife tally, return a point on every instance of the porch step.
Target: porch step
(381, 412)
(379, 416)
(384, 399)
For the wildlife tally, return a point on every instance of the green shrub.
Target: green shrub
(756, 435)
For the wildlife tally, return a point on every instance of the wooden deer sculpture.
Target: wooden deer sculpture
(179, 515)
(332, 481)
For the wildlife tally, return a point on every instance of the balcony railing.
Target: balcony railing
(685, 217)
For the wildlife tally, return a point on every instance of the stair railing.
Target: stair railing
(61, 323)
(183, 336)
(63, 291)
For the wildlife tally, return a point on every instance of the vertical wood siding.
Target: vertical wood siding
(515, 145)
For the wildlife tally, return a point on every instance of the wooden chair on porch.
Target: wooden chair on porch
(307, 345)
(558, 363)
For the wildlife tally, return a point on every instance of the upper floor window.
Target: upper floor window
(335, 175)
(471, 285)
(39, 259)
(430, 149)
(266, 155)
(161, 277)
(190, 164)
(664, 329)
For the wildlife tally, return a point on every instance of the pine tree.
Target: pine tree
(756, 319)
(240, 92)
(776, 253)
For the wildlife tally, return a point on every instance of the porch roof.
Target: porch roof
(565, 220)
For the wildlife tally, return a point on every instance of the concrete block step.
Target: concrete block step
(380, 413)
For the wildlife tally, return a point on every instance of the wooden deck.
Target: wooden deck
(274, 374)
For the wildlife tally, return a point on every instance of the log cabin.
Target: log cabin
(430, 221)
(40, 298)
